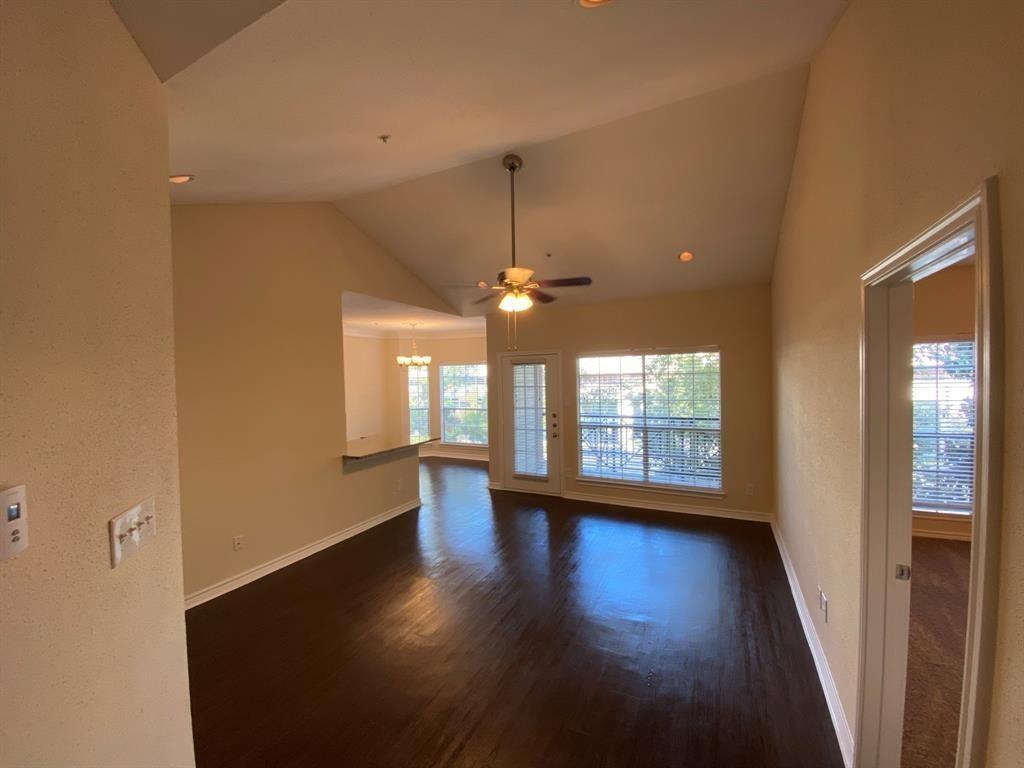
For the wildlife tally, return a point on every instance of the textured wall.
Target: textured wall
(261, 392)
(907, 112)
(944, 304)
(93, 668)
(368, 401)
(738, 320)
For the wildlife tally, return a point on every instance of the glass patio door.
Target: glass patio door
(531, 433)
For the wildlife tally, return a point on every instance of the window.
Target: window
(652, 419)
(944, 426)
(529, 419)
(464, 404)
(419, 402)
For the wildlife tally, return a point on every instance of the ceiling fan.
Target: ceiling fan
(516, 285)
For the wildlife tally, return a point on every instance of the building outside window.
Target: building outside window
(651, 419)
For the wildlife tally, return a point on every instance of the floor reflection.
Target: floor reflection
(504, 630)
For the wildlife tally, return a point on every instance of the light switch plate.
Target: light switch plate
(13, 521)
(132, 530)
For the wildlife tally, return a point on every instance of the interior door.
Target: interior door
(531, 433)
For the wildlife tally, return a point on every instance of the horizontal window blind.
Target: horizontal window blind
(653, 419)
(529, 417)
(419, 402)
(943, 394)
(464, 404)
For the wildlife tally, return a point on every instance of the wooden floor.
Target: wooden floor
(511, 631)
(935, 652)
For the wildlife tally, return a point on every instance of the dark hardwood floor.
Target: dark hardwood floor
(503, 630)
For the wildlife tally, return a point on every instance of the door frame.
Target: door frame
(554, 446)
(880, 696)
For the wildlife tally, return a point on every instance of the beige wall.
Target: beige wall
(92, 667)
(907, 112)
(944, 304)
(370, 387)
(737, 320)
(261, 392)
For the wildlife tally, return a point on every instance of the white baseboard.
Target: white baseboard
(234, 582)
(828, 684)
(668, 506)
(429, 451)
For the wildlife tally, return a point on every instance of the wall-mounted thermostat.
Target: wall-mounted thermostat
(14, 520)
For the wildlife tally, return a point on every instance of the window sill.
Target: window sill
(954, 514)
(675, 490)
(482, 446)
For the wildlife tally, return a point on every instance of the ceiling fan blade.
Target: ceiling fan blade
(543, 298)
(564, 282)
(488, 297)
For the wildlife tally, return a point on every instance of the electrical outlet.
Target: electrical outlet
(750, 489)
(236, 543)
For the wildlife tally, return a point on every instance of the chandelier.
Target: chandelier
(415, 359)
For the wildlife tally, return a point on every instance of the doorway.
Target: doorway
(531, 404)
(892, 474)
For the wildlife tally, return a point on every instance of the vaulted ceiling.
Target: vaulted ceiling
(617, 203)
(647, 127)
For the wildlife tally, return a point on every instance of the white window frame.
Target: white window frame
(681, 490)
(441, 406)
(930, 510)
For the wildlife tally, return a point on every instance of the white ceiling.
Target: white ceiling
(371, 316)
(289, 107)
(618, 202)
(173, 33)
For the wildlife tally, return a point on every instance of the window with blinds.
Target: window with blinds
(651, 419)
(944, 426)
(464, 404)
(419, 402)
(529, 419)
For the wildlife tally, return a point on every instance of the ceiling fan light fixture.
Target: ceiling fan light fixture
(515, 301)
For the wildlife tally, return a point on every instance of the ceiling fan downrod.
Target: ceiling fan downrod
(512, 164)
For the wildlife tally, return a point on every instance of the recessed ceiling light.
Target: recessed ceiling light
(592, 3)
(686, 256)
(181, 178)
